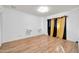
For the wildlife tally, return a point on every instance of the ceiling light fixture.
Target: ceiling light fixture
(43, 9)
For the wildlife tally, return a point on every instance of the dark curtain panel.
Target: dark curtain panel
(55, 27)
(65, 35)
(48, 26)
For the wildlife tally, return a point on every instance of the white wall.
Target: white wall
(72, 23)
(0, 25)
(15, 24)
(0, 28)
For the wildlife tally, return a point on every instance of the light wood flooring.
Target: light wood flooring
(39, 44)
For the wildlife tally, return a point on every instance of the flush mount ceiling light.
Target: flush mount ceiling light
(43, 9)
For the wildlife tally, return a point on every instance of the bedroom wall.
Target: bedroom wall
(0, 25)
(0, 29)
(72, 23)
(15, 24)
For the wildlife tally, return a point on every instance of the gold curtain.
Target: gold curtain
(52, 28)
(60, 27)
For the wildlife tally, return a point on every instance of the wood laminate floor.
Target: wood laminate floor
(39, 44)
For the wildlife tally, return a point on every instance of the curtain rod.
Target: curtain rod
(61, 16)
(58, 17)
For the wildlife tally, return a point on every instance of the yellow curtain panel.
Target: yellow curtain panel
(60, 27)
(52, 27)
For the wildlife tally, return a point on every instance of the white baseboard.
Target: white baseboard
(19, 38)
